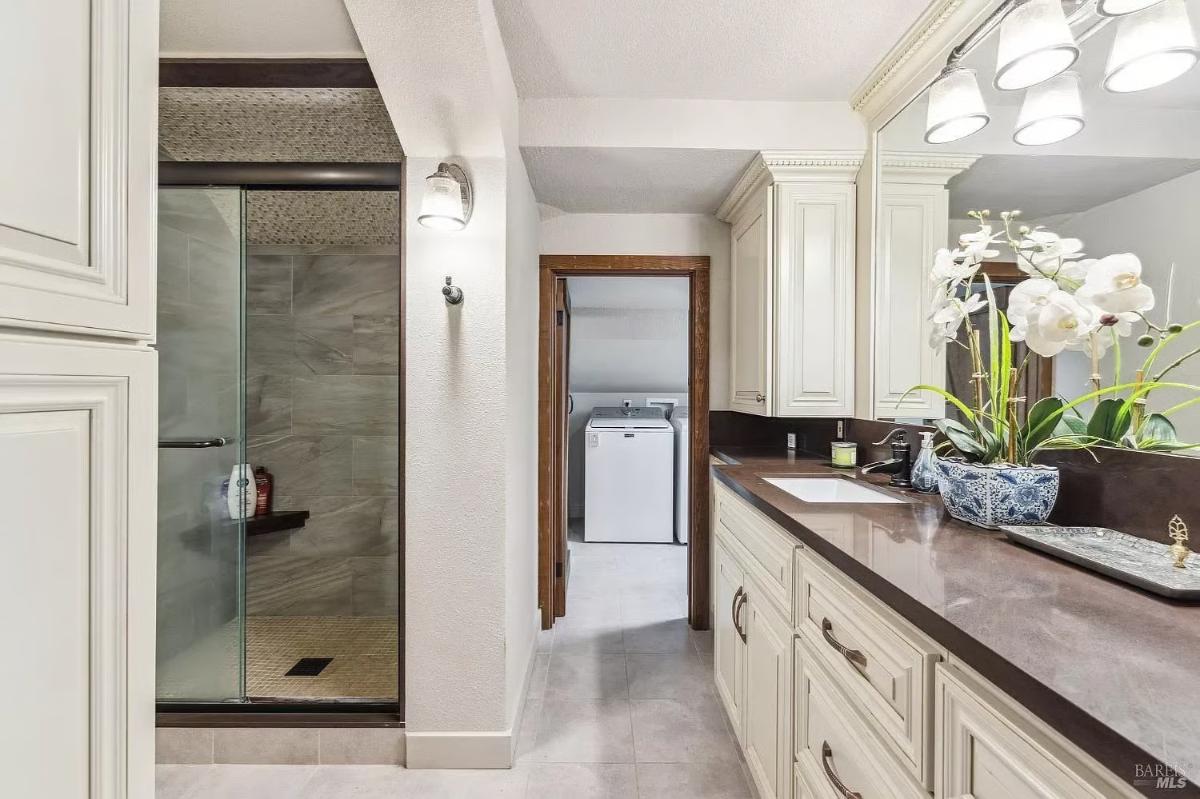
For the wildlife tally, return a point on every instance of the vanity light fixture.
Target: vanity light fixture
(1152, 47)
(1052, 111)
(1119, 8)
(956, 107)
(447, 203)
(1035, 45)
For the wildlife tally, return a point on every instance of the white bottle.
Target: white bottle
(242, 495)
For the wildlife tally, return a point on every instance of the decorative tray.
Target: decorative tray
(1137, 561)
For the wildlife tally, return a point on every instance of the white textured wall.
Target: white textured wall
(629, 349)
(1159, 226)
(470, 382)
(658, 234)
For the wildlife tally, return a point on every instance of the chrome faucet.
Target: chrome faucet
(899, 466)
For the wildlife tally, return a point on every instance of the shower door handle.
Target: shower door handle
(203, 443)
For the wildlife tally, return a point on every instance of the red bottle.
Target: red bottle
(264, 485)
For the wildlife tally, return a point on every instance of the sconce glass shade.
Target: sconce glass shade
(1035, 45)
(447, 201)
(1052, 111)
(1119, 8)
(1151, 48)
(956, 108)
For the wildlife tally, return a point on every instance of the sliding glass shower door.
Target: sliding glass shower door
(201, 550)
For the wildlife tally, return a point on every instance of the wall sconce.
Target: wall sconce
(956, 108)
(1035, 45)
(1119, 8)
(448, 201)
(1052, 111)
(1151, 47)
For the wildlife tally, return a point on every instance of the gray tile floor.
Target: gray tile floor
(621, 706)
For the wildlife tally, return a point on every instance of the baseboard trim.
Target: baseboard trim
(460, 749)
(474, 750)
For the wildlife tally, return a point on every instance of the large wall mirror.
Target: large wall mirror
(1085, 116)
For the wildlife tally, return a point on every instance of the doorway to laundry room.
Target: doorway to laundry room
(622, 488)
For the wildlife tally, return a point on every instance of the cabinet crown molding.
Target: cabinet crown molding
(933, 169)
(771, 166)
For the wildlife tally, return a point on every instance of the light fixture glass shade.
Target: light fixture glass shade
(442, 205)
(1119, 8)
(956, 107)
(1052, 111)
(1035, 44)
(1151, 48)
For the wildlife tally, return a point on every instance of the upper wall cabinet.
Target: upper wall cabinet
(913, 223)
(792, 262)
(78, 158)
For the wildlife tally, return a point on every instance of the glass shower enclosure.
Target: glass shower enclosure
(202, 438)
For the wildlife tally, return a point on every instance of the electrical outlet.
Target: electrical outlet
(626, 403)
(791, 439)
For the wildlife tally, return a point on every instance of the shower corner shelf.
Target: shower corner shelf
(276, 521)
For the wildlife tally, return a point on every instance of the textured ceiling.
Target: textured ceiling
(629, 292)
(1042, 186)
(267, 28)
(717, 49)
(633, 180)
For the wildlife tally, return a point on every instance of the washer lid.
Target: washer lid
(628, 419)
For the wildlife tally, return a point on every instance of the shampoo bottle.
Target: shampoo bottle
(242, 496)
(925, 470)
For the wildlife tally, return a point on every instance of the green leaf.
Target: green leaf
(1071, 425)
(1108, 422)
(963, 439)
(1040, 412)
(1156, 432)
(953, 400)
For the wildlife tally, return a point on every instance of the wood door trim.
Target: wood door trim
(696, 268)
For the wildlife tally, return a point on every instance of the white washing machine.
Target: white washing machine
(679, 420)
(629, 476)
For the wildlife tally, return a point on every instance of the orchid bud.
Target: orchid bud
(1175, 328)
(1024, 230)
(1145, 340)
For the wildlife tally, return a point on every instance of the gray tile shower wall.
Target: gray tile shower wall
(322, 410)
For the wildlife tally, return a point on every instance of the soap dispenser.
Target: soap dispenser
(925, 470)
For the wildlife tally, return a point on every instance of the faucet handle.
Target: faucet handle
(900, 435)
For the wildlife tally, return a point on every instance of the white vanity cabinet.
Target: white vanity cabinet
(836, 696)
(792, 284)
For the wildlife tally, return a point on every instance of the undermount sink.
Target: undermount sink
(830, 489)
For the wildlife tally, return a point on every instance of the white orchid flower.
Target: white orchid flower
(947, 317)
(1108, 328)
(1054, 325)
(977, 245)
(1047, 248)
(1028, 298)
(1114, 285)
(948, 270)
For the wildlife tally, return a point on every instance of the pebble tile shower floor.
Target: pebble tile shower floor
(621, 705)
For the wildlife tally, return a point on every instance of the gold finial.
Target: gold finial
(1178, 532)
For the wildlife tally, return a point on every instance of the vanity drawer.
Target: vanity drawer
(836, 756)
(884, 667)
(991, 748)
(771, 549)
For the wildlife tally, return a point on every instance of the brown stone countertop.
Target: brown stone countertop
(1112, 668)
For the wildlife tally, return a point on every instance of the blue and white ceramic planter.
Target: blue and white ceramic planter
(995, 494)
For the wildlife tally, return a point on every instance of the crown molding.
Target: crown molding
(919, 167)
(771, 166)
(922, 49)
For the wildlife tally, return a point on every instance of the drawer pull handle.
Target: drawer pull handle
(831, 775)
(853, 655)
(739, 600)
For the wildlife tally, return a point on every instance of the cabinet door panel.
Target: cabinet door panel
(750, 319)
(768, 697)
(729, 653)
(912, 226)
(76, 220)
(814, 278)
(77, 570)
